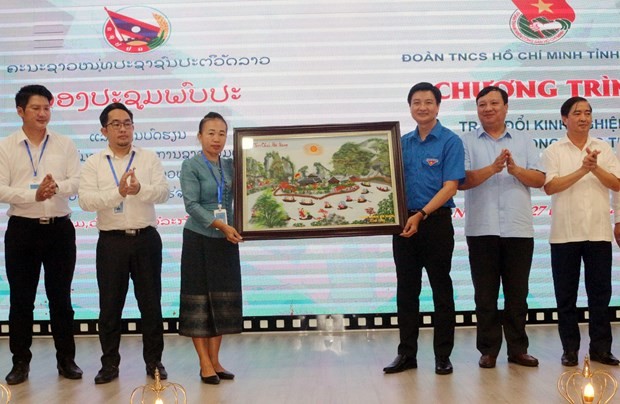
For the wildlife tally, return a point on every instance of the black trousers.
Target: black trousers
(119, 258)
(566, 267)
(431, 248)
(27, 246)
(508, 260)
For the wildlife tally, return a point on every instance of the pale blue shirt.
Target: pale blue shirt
(500, 206)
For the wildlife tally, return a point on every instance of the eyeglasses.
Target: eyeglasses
(117, 125)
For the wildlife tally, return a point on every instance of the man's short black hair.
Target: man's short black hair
(490, 89)
(23, 95)
(568, 104)
(424, 86)
(103, 118)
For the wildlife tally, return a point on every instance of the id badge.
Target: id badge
(221, 214)
(34, 185)
(118, 209)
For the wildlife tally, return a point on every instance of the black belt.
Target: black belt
(127, 232)
(438, 212)
(42, 220)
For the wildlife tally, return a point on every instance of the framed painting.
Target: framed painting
(319, 181)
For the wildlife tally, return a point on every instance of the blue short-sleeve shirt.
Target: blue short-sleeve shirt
(430, 163)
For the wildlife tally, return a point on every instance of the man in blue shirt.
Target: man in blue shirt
(433, 166)
(501, 167)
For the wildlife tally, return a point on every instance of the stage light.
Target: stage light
(587, 386)
(159, 393)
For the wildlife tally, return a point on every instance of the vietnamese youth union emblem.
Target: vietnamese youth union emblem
(136, 29)
(541, 22)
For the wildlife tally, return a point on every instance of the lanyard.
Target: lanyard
(220, 184)
(34, 170)
(133, 153)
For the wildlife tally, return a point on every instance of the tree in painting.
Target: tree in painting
(386, 206)
(267, 212)
(351, 159)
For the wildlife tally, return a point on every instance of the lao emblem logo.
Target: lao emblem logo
(136, 29)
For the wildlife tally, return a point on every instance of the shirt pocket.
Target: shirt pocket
(431, 161)
(433, 169)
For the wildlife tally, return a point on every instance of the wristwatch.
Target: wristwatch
(424, 214)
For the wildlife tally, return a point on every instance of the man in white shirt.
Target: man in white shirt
(580, 172)
(122, 184)
(39, 171)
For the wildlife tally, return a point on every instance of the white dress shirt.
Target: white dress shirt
(616, 195)
(60, 158)
(581, 212)
(99, 192)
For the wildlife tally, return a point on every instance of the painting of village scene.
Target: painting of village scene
(319, 183)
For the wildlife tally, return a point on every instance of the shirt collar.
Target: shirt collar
(24, 137)
(481, 132)
(109, 152)
(435, 132)
(566, 140)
